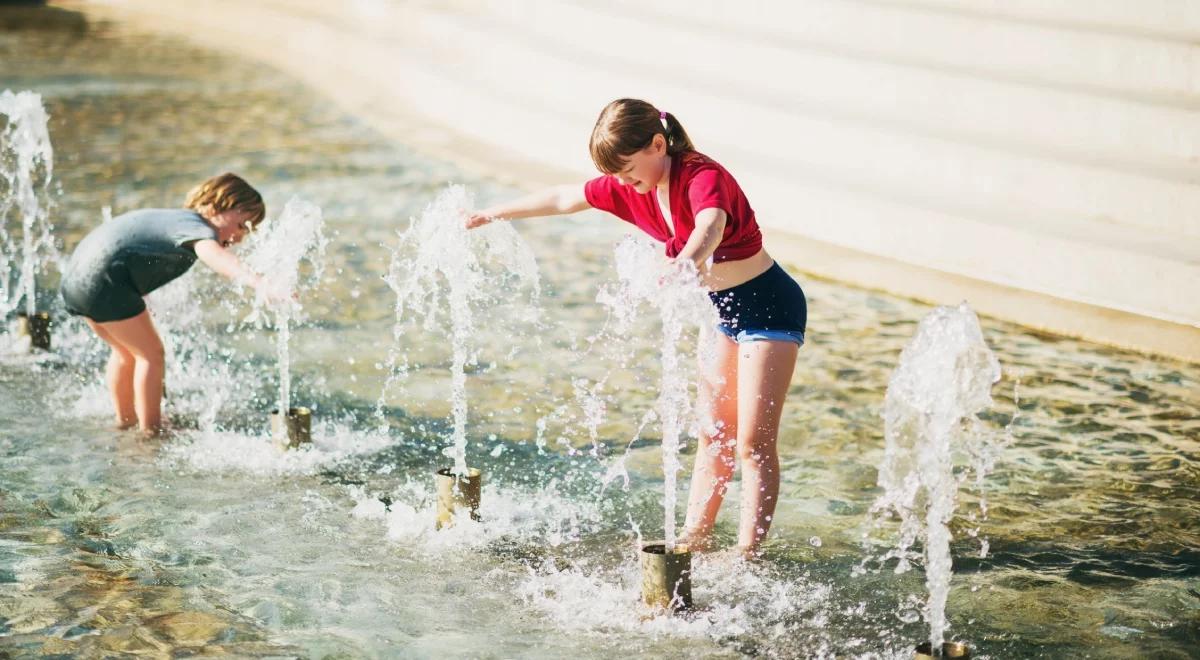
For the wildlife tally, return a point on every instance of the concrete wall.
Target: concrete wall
(1040, 158)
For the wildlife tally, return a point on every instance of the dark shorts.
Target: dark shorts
(103, 297)
(768, 307)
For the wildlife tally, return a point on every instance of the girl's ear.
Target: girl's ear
(659, 144)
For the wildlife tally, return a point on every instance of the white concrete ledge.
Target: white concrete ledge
(976, 152)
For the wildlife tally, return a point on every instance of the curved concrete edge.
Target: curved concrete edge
(1036, 311)
(404, 115)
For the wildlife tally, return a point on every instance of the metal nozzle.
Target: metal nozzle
(666, 576)
(36, 327)
(957, 650)
(294, 429)
(456, 492)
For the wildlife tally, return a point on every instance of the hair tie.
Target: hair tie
(662, 117)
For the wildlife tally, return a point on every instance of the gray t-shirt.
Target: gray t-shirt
(152, 245)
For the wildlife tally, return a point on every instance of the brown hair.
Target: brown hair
(226, 192)
(626, 126)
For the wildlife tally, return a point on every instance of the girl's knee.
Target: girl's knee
(718, 447)
(758, 450)
(122, 358)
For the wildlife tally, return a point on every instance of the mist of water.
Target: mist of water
(673, 293)
(944, 379)
(26, 170)
(444, 275)
(277, 251)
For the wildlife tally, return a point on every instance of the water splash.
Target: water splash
(26, 169)
(197, 385)
(441, 269)
(276, 253)
(944, 379)
(673, 291)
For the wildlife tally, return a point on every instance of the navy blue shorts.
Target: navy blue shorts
(768, 307)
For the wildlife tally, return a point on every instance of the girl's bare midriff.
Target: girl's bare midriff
(725, 274)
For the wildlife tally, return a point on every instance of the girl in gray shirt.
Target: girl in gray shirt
(124, 259)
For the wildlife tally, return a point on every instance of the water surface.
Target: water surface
(211, 541)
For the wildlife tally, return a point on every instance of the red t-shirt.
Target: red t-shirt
(696, 183)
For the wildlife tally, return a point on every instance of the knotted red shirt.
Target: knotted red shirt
(696, 183)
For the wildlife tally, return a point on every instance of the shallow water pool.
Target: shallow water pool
(212, 542)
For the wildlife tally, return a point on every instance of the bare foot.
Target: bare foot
(697, 542)
(156, 432)
(750, 553)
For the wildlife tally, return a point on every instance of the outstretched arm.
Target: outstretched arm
(558, 200)
(705, 237)
(225, 263)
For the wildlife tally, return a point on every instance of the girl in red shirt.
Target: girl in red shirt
(655, 179)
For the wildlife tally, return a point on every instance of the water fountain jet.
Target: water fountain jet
(943, 381)
(680, 301)
(276, 255)
(440, 266)
(25, 158)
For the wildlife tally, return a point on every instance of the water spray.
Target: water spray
(441, 269)
(681, 303)
(276, 255)
(26, 169)
(944, 379)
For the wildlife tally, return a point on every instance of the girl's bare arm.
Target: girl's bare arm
(225, 262)
(558, 200)
(705, 237)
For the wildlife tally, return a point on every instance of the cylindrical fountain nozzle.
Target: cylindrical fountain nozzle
(666, 576)
(294, 429)
(957, 650)
(36, 327)
(456, 493)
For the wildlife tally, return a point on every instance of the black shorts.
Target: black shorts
(106, 296)
(768, 307)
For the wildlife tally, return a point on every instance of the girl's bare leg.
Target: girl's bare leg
(138, 337)
(119, 375)
(715, 455)
(764, 374)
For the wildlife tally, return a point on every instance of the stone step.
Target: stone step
(1022, 220)
(942, 170)
(1148, 51)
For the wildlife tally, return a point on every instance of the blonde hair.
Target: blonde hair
(226, 192)
(626, 126)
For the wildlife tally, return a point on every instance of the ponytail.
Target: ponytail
(626, 126)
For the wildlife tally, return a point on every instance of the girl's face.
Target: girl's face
(232, 226)
(645, 169)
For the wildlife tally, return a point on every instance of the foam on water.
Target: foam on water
(543, 517)
(259, 455)
(733, 599)
(944, 379)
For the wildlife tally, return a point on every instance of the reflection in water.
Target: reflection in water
(211, 542)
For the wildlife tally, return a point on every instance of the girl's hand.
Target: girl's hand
(273, 294)
(477, 219)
